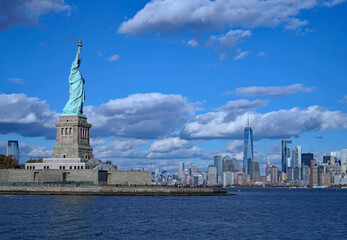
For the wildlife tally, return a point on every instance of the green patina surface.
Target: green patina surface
(74, 106)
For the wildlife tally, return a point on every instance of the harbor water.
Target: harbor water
(254, 213)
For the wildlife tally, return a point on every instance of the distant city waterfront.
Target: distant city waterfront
(254, 213)
(297, 169)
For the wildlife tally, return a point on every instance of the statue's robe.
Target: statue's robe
(75, 104)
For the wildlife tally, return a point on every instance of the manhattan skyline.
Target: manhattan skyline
(167, 82)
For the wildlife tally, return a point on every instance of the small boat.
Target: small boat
(315, 186)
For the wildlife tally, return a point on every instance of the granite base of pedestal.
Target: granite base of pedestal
(73, 140)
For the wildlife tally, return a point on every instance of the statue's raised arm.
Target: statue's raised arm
(74, 106)
(76, 62)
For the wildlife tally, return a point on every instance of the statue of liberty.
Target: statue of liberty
(74, 106)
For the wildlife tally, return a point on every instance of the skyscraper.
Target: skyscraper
(218, 163)
(326, 159)
(13, 150)
(343, 157)
(193, 170)
(254, 170)
(228, 178)
(157, 176)
(230, 164)
(267, 168)
(211, 175)
(227, 164)
(274, 175)
(247, 148)
(332, 158)
(285, 154)
(180, 170)
(296, 156)
(306, 158)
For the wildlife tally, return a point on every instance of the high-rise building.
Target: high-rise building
(296, 156)
(198, 179)
(247, 148)
(332, 158)
(180, 170)
(313, 174)
(13, 150)
(285, 154)
(254, 170)
(226, 163)
(274, 175)
(326, 159)
(185, 177)
(267, 168)
(193, 170)
(306, 158)
(235, 166)
(305, 172)
(230, 164)
(211, 175)
(218, 163)
(291, 174)
(343, 157)
(157, 175)
(228, 178)
(289, 162)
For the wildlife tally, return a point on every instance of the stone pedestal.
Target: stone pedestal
(73, 138)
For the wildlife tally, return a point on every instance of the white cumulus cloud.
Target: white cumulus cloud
(230, 39)
(113, 58)
(173, 148)
(203, 15)
(28, 12)
(241, 55)
(274, 91)
(125, 148)
(147, 115)
(275, 124)
(205, 18)
(243, 105)
(235, 146)
(166, 148)
(169, 144)
(295, 24)
(28, 116)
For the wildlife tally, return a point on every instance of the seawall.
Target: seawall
(98, 177)
(110, 191)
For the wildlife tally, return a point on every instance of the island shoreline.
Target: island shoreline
(111, 191)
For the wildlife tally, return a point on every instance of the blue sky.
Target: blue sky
(175, 80)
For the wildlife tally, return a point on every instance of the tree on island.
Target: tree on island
(38, 160)
(7, 161)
